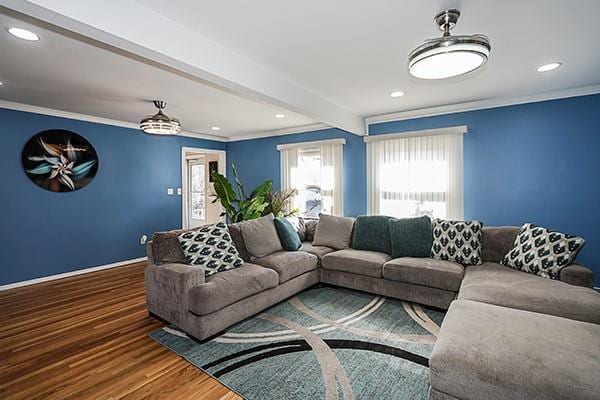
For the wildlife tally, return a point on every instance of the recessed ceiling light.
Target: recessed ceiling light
(549, 67)
(279, 116)
(23, 34)
(215, 128)
(397, 94)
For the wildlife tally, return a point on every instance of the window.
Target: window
(197, 176)
(416, 174)
(314, 169)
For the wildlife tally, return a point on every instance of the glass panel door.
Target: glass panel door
(197, 193)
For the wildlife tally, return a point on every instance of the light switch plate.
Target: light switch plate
(179, 191)
(170, 191)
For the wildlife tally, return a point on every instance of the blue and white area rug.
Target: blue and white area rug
(324, 343)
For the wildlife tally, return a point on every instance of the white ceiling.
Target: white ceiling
(67, 74)
(236, 63)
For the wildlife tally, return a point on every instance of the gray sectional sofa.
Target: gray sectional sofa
(507, 334)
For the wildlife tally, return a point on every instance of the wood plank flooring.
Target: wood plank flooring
(86, 337)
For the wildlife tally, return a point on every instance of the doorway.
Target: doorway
(198, 191)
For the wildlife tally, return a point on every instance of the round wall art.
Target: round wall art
(59, 160)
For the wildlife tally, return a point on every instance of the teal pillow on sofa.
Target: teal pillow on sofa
(288, 236)
(371, 233)
(411, 237)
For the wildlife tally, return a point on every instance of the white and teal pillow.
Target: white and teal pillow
(210, 247)
(457, 241)
(542, 252)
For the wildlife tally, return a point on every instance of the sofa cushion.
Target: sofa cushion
(289, 264)
(235, 231)
(308, 226)
(288, 235)
(166, 248)
(260, 236)
(497, 353)
(425, 272)
(211, 248)
(360, 262)
(228, 287)
(496, 241)
(542, 252)
(495, 284)
(458, 241)
(318, 251)
(334, 232)
(411, 237)
(371, 233)
(578, 275)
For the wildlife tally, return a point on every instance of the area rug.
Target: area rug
(324, 343)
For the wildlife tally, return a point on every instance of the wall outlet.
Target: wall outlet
(178, 191)
(143, 239)
(170, 191)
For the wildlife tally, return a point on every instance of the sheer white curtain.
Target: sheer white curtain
(416, 175)
(332, 157)
(289, 172)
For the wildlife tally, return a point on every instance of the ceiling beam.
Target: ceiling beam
(133, 28)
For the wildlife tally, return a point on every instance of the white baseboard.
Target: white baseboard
(72, 273)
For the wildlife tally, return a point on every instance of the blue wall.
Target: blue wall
(44, 233)
(258, 160)
(535, 162)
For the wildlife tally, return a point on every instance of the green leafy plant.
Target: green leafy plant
(278, 201)
(237, 205)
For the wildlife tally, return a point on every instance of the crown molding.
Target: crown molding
(98, 120)
(481, 105)
(281, 132)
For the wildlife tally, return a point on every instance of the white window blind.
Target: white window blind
(314, 169)
(416, 174)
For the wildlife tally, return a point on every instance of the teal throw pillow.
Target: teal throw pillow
(411, 237)
(371, 233)
(288, 236)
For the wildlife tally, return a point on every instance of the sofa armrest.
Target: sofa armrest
(167, 289)
(578, 275)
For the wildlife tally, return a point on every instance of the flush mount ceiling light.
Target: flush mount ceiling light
(449, 55)
(548, 67)
(159, 123)
(23, 34)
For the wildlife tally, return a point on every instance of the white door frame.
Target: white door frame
(184, 175)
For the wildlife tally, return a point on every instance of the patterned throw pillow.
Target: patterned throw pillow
(458, 241)
(210, 247)
(542, 252)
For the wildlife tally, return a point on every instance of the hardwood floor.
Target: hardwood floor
(86, 337)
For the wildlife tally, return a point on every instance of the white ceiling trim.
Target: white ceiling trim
(313, 143)
(98, 120)
(424, 132)
(209, 62)
(480, 105)
(281, 132)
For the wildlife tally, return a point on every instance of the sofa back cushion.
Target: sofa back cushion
(371, 232)
(309, 227)
(496, 241)
(166, 248)
(260, 236)
(411, 237)
(235, 231)
(288, 235)
(334, 232)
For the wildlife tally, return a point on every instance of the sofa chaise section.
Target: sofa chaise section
(491, 352)
(496, 284)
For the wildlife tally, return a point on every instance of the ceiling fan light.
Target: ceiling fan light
(159, 123)
(448, 56)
